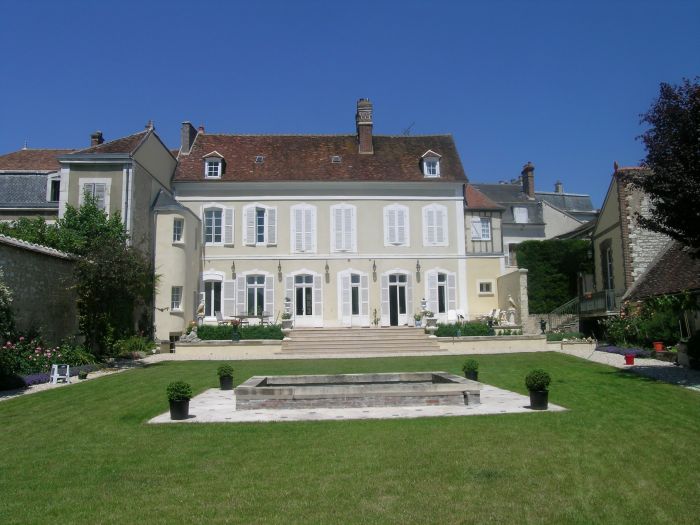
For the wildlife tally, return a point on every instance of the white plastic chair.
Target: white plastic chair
(60, 374)
(452, 316)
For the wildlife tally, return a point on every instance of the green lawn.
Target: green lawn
(626, 452)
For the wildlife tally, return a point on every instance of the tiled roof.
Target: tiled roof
(127, 144)
(478, 201)
(673, 271)
(308, 158)
(32, 160)
(11, 241)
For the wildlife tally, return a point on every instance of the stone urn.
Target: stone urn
(431, 325)
(287, 325)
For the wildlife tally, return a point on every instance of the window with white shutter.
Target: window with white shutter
(97, 189)
(217, 225)
(259, 225)
(343, 236)
(396, 225)
(520, 214)
(303, 228)
(435, 225)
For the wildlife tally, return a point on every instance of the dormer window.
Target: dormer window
(213, 165)
(431, 164)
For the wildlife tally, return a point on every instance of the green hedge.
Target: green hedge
(223, 332)
(466, 329)
(559, 336)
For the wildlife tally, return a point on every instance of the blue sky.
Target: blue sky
(558, 83)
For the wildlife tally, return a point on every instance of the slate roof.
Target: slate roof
(308, 158)
(128, 144)
(475, 200)
(165, 202)
(673, 271)
(510, 196)
(24, 190)
(36, 160)
(568, 202)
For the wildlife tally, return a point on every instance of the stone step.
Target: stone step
(353, 340)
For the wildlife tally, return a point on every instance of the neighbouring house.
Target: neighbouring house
(341, 230)
(536, 215)
(42, 285)
(30, 184)
(621, 249)
(125, 176)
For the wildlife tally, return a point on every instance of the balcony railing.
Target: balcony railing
(606, 302)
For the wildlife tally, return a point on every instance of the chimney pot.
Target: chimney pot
(187, 136)
(363, 123)
(558, 187)
(200, 129)
(528, 178)
(96, 138)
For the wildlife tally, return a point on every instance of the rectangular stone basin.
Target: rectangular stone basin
(356, 390)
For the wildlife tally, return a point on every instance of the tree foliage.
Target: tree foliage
(552, 267)
(672, 143)
(114, 280)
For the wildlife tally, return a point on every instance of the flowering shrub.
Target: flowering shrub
(636, 352)
(29, 356)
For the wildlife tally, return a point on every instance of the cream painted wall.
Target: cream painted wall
(608, 228)
(556, 222)
(156, 160)
(111, 172)
(482, 269)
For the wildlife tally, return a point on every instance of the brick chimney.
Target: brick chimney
(187, 136)
(558, 187)
(363, 122)
(96, 138)
(528, 178)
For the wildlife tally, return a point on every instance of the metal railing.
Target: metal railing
(566, 315)
(604, 303)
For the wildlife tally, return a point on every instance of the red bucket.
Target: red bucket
(658, 346)
(629, 359)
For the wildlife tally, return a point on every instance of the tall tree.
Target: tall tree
(672, 143)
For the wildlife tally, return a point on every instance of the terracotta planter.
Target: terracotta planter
(658, 346)
(179, 409)
(629, 359)
(539, 399)
(226, 383)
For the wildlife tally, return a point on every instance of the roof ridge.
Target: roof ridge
(111, 141)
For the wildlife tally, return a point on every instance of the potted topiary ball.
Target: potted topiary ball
(179, 395)
(471, 369)
(537, 382)
(225, 377)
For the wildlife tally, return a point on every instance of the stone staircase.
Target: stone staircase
(348, 341)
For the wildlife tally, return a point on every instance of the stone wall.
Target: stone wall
(42, 285)
(644, 245)
(514, 284)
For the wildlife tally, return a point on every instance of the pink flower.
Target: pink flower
(21, 339)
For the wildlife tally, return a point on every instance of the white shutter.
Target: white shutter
(440, 225)
(269, 295)
(401, 226)
(476, 228)
(318, 303)
(346, 305)
(385, 299)
(309, 230)
(298, 230)
(289, 291)
(240, 296)
(228, 225)
(271, 216)
(100, 193)
(390, 225)
(249, 232)
(451, 292)
(349, 230)
(337, 232)
(409, 295)
(429, 226)
(364, 295)
(229, 298)
(432, 291)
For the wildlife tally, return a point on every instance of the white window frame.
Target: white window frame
(213, 276)
(53, 177)
(344, 234)
(491, 287)
(108, 184)
(181, 238)
(216, 162)
(431, 167)
(270, 226)
(437, 228)
(344, 295)
(477, 228)
(307, 236)
(213, 242)
(316, 319)
(398, 209)
(521, 212)
(176, 293)
(432, 289)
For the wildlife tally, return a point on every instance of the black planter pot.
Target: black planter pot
(539, 399)
(226, 383)
(472, 374)
(179, 409)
